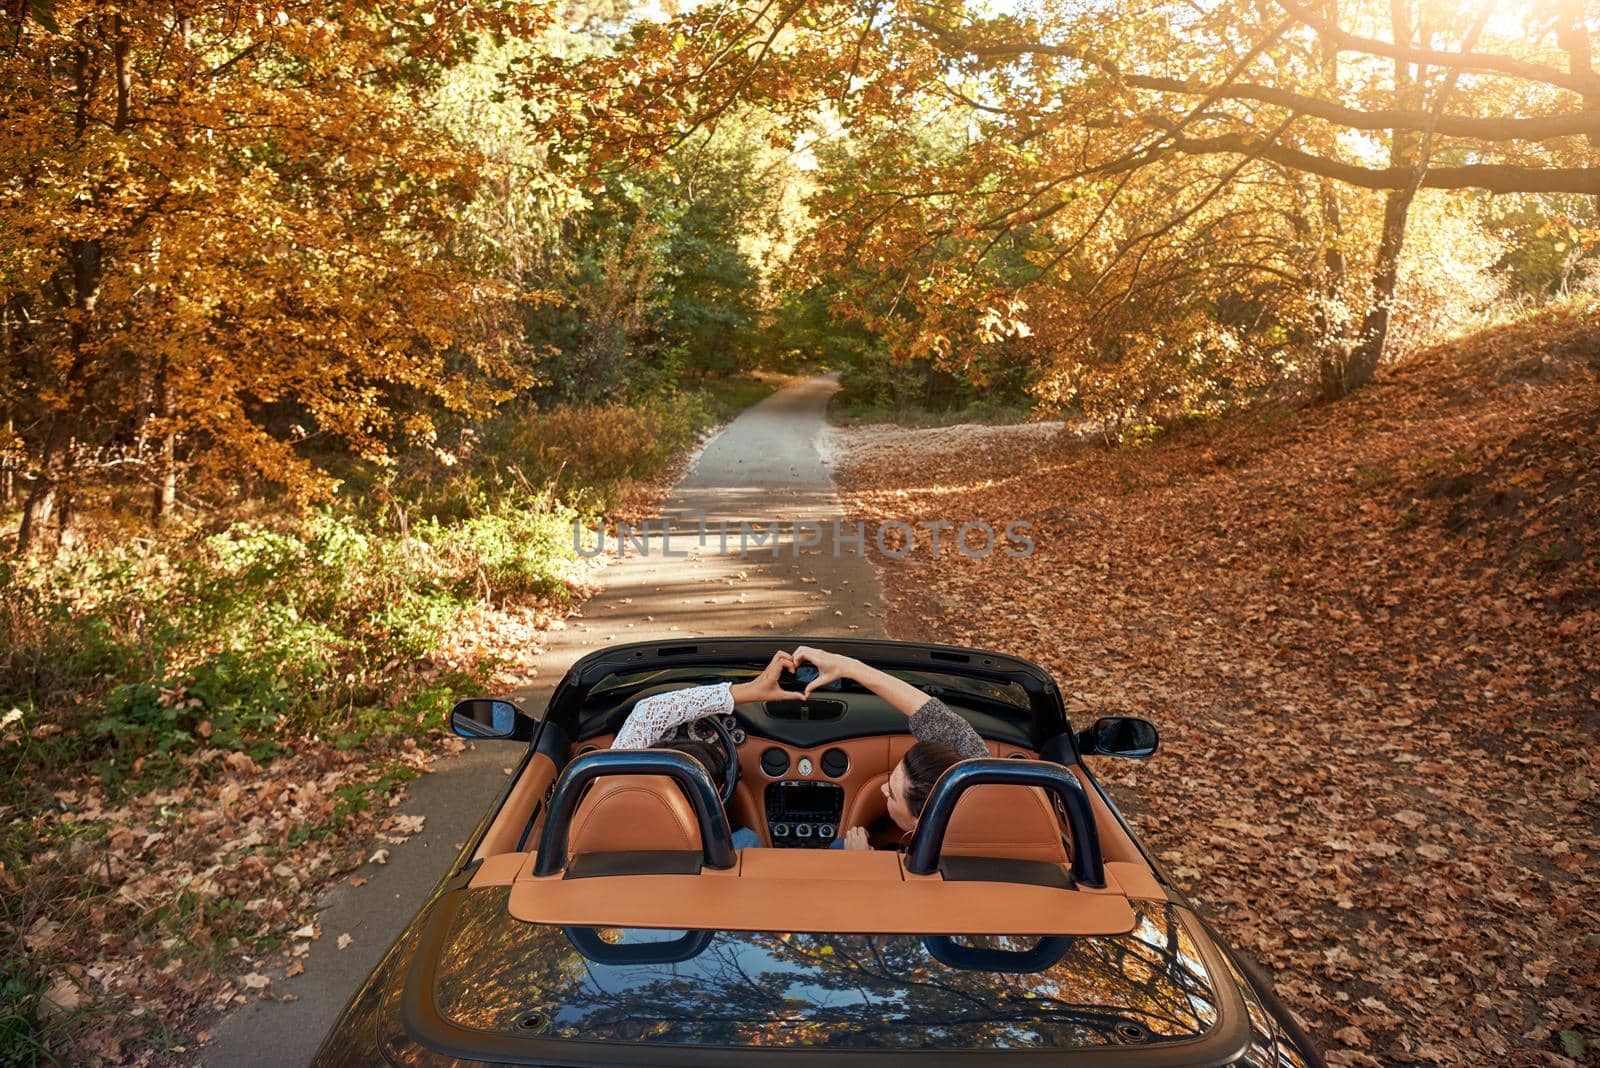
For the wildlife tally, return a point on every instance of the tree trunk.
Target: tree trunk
(1572, 37)
(1368, 351)
(54, 462)
(8, 474)
(84, 262)
(1332, 337)
(165, 492)
(11, 347)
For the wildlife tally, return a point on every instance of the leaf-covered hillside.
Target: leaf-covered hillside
(1370, 635)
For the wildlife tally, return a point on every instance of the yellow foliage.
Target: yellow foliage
(233, 233)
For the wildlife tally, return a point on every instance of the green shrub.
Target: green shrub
(258, 631)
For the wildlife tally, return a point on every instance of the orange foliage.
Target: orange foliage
(232, 227)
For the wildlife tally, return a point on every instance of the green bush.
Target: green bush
(245, 637)
(258, 631)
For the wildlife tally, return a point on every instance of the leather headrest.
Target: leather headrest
(633, 812)
(1016, 822)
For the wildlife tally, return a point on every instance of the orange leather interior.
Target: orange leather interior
(867, 804)
(871, 760)
(802, 889)
(851, 892)
(1000, 824)
(506, 830)
(1131, 880)
(633, 812)
(1115, 845)
(869, 764)
(1005, 821)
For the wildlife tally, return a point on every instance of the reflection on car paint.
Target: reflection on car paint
(774, 989)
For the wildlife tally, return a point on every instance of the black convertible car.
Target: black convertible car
(600, 914)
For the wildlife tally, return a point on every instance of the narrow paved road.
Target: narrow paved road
(764, 466)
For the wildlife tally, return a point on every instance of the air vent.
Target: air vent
(823, 711)
(835, 762)
(816, 710)
(774, 761)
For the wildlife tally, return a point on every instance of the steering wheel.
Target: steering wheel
(730, 750)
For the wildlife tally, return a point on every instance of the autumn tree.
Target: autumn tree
(233, 228)
(1152, 199)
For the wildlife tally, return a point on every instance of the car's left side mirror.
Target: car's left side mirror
(1123, 736)
(492, 719)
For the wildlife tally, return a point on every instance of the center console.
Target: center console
(803, 814)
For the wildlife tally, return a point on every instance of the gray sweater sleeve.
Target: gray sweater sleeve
(936, 722)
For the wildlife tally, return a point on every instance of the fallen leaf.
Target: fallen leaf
(60, 998)
(409, 824)
(1574, 1045)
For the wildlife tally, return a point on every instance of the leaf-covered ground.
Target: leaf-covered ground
(1370, 635)
(156, 900)
(161, 897)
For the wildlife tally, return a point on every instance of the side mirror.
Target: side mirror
(488, 718)
(1123, 736)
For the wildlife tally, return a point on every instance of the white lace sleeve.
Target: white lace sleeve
(653, 717)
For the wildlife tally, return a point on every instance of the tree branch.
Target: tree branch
(1539, 128)
(1510, 66)
(1490, 177)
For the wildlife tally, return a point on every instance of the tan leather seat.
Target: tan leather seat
(1017, 822)
(625, 813)
(1014, 822)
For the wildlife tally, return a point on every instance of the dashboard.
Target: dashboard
(820, 720)
(808, 769)
(701, 731)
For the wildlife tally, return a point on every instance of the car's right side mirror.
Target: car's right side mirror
(489, 718)
(1123, 736)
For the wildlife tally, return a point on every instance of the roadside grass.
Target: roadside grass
(187, 719)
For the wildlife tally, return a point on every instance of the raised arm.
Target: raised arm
(936, 721)
(653, 718)
(931, 720)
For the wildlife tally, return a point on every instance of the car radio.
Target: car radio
(804, 815)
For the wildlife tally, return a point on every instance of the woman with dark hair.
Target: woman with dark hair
(943, 737)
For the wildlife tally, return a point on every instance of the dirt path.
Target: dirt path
(765, 465)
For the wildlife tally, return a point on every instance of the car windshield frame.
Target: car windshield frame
(1020, 692)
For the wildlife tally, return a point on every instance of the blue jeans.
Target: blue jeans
(745, 838)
